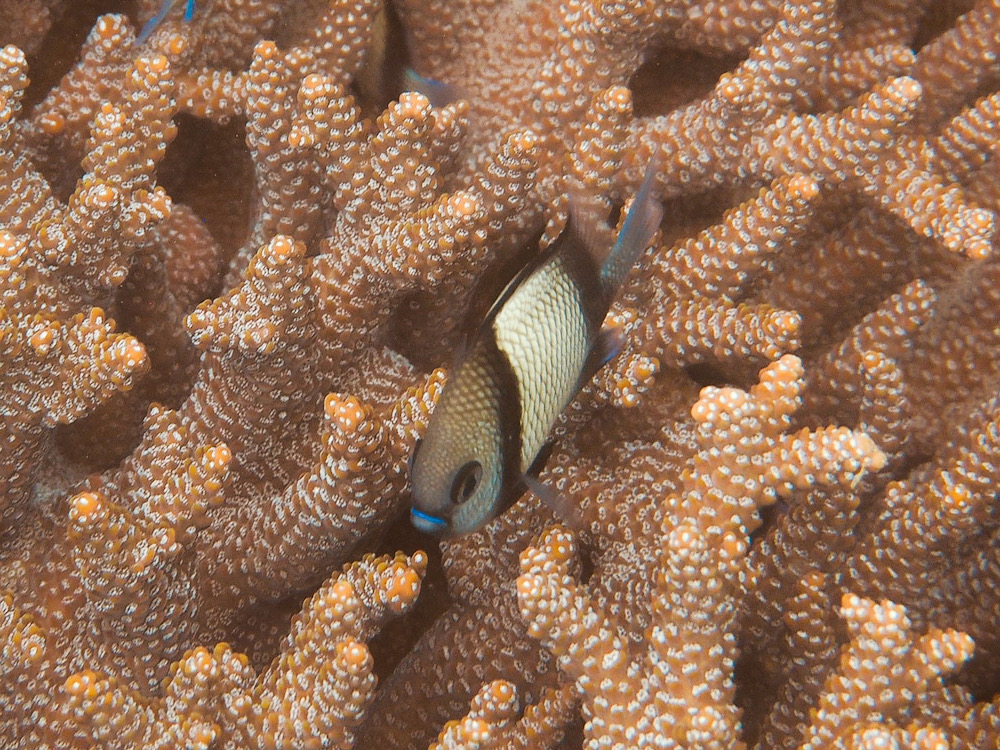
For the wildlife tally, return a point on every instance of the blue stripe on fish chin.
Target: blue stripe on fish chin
(427, 523)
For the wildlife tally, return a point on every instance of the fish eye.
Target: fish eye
(466, 481)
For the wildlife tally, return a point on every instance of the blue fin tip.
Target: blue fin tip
(438, 94)
(150, 26)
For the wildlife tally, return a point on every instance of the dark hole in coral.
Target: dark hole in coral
(105, 436)
(110, 432)
(380, 79)
(615, 214)
(208, 168)
(980, 673)
(415, 332)
(769, 516)
(912, 460)
(573, 738)
(706, 374)
(687, 215)
(754, 693)
(671, 77)
(937, 19)
(400, 634)
(259, 629)
(587, 566)
(71, 24)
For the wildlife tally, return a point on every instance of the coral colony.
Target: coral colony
(238, 259)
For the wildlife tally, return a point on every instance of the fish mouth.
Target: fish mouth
(427, 523)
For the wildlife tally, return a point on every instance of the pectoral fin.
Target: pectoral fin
(560, 505)
(541, 459)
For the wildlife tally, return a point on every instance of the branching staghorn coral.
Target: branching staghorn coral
(316, 692)
(680, 690)
(234, 257)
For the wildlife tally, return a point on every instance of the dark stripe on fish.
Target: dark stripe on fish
(509, 397)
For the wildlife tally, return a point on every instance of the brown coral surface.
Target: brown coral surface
(236, 261)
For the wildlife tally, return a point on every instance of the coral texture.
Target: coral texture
(237, 260)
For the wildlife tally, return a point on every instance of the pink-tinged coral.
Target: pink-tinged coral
(237, 259)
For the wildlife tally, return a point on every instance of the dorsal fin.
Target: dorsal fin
(640, 225)
(438, 94)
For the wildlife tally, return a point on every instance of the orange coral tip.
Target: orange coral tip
(353, 654)
(82, 684)
(526, 140)
(906, 88)
(52, 123)
(620, 97)
(803, 186)
(266, 49)
(402, 589)
(418, 560)
(346, 412)
(43, 340)
(342, 590)
(281, 247)
(219, 456)
(84, 506)
(176, 45)
(464, 204)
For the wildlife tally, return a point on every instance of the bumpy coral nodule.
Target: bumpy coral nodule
(236, 261)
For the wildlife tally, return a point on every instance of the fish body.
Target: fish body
(536, 348)
(150, 26)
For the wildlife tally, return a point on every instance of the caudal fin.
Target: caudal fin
(641, 223)
(150, 26)
(438, 94)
